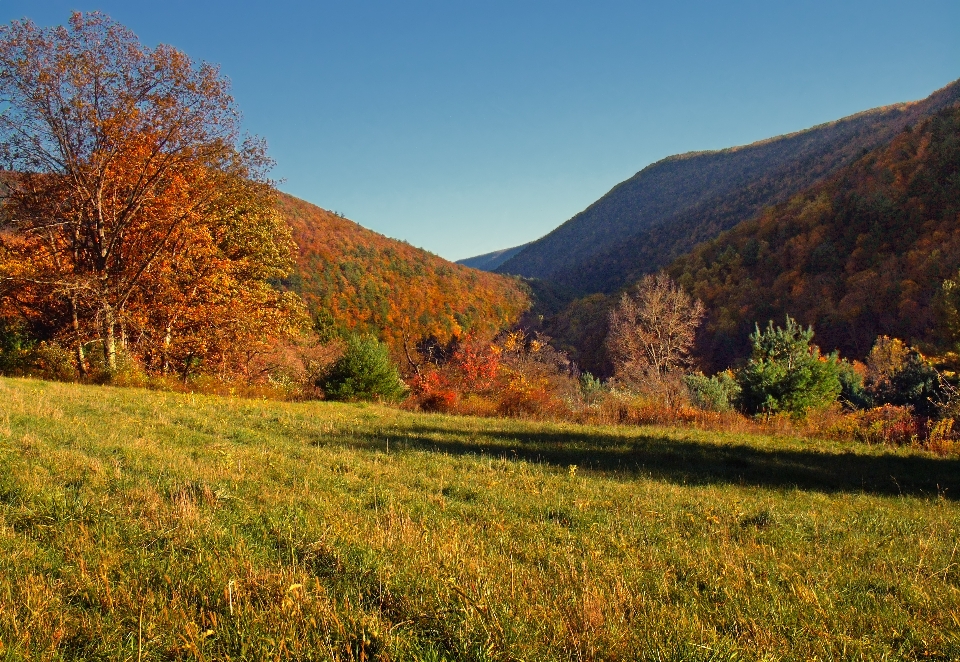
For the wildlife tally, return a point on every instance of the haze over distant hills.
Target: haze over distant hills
(490, 261)
(669, 207)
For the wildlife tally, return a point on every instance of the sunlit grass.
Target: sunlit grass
(139, 525)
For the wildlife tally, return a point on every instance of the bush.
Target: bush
(888, 424)
(16, 348)
(900, 375)
(853, 391)
(591, 389)
(53, 362)
(364, 372)
(787, 373)
(128, 372)
(717, 393)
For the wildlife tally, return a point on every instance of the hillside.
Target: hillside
(138, 525)
(670, 206)
(355, 279)
(861, 254)
(490, 261)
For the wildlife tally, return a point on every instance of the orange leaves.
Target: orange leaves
(135, 204)
(514, 375)
(370, 283)
(860, 255)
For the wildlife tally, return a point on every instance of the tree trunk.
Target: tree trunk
(109, 339)
(167, 339)
(78, 348)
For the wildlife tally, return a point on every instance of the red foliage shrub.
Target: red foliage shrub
(432, 391)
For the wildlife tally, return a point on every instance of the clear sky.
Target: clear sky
(464, 127)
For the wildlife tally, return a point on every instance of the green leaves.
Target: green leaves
(364, 372)
(787, 373)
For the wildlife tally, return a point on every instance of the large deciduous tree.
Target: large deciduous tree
(652, 330)
(131, 203)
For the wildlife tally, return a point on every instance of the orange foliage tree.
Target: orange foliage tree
(131, 202)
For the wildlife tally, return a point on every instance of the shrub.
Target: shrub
(916, 385)
(364, 372)
(591, 389)
(717, 393)
(128, 371)
(53, 362)
(434, 392)
(853, 390)
(889, 424)
(900, 375)
(787, 373)
(15, 348)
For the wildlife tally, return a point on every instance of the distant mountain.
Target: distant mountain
(861, 254)
(490, 261)
(354, 279)
(667, 208)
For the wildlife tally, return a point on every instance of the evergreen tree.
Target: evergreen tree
(364, 372)
(787, 373)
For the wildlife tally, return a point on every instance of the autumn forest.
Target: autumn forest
(145, 244)
(712, 416)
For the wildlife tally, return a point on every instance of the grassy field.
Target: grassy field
(141, 525)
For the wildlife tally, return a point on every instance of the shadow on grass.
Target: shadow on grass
(691, 462)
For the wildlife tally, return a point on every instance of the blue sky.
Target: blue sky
(465, 127)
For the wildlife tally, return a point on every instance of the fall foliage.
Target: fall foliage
(642, 224)
(357, 281)
(652, 330)
(132, 207)
(861, 255)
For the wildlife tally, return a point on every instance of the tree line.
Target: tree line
(135, 215)
(139, 227)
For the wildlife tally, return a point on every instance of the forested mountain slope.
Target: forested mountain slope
(355, 279)
(490, 261)
(861, 254)
(670, 206)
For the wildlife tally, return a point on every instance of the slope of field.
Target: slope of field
(670, 206)
(355, 279)
(860, 255)
(490, 261)
(153, 526)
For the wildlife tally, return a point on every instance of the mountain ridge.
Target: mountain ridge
(617, 239)
(492, 260)
(858, 255)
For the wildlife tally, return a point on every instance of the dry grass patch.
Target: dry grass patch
(156, 526)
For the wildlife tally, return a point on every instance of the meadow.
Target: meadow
(144, 525)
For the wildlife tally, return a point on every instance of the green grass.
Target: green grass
(140, 525)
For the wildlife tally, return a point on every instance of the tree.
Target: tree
(364, 372)
(947, 308)
(131, 202)
(898, 374)
(652, 331)
(787, 373)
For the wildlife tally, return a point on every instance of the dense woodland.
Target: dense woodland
(357, 281)
(869, 231)
(861, 255)
(142, 242)
(142, 236)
